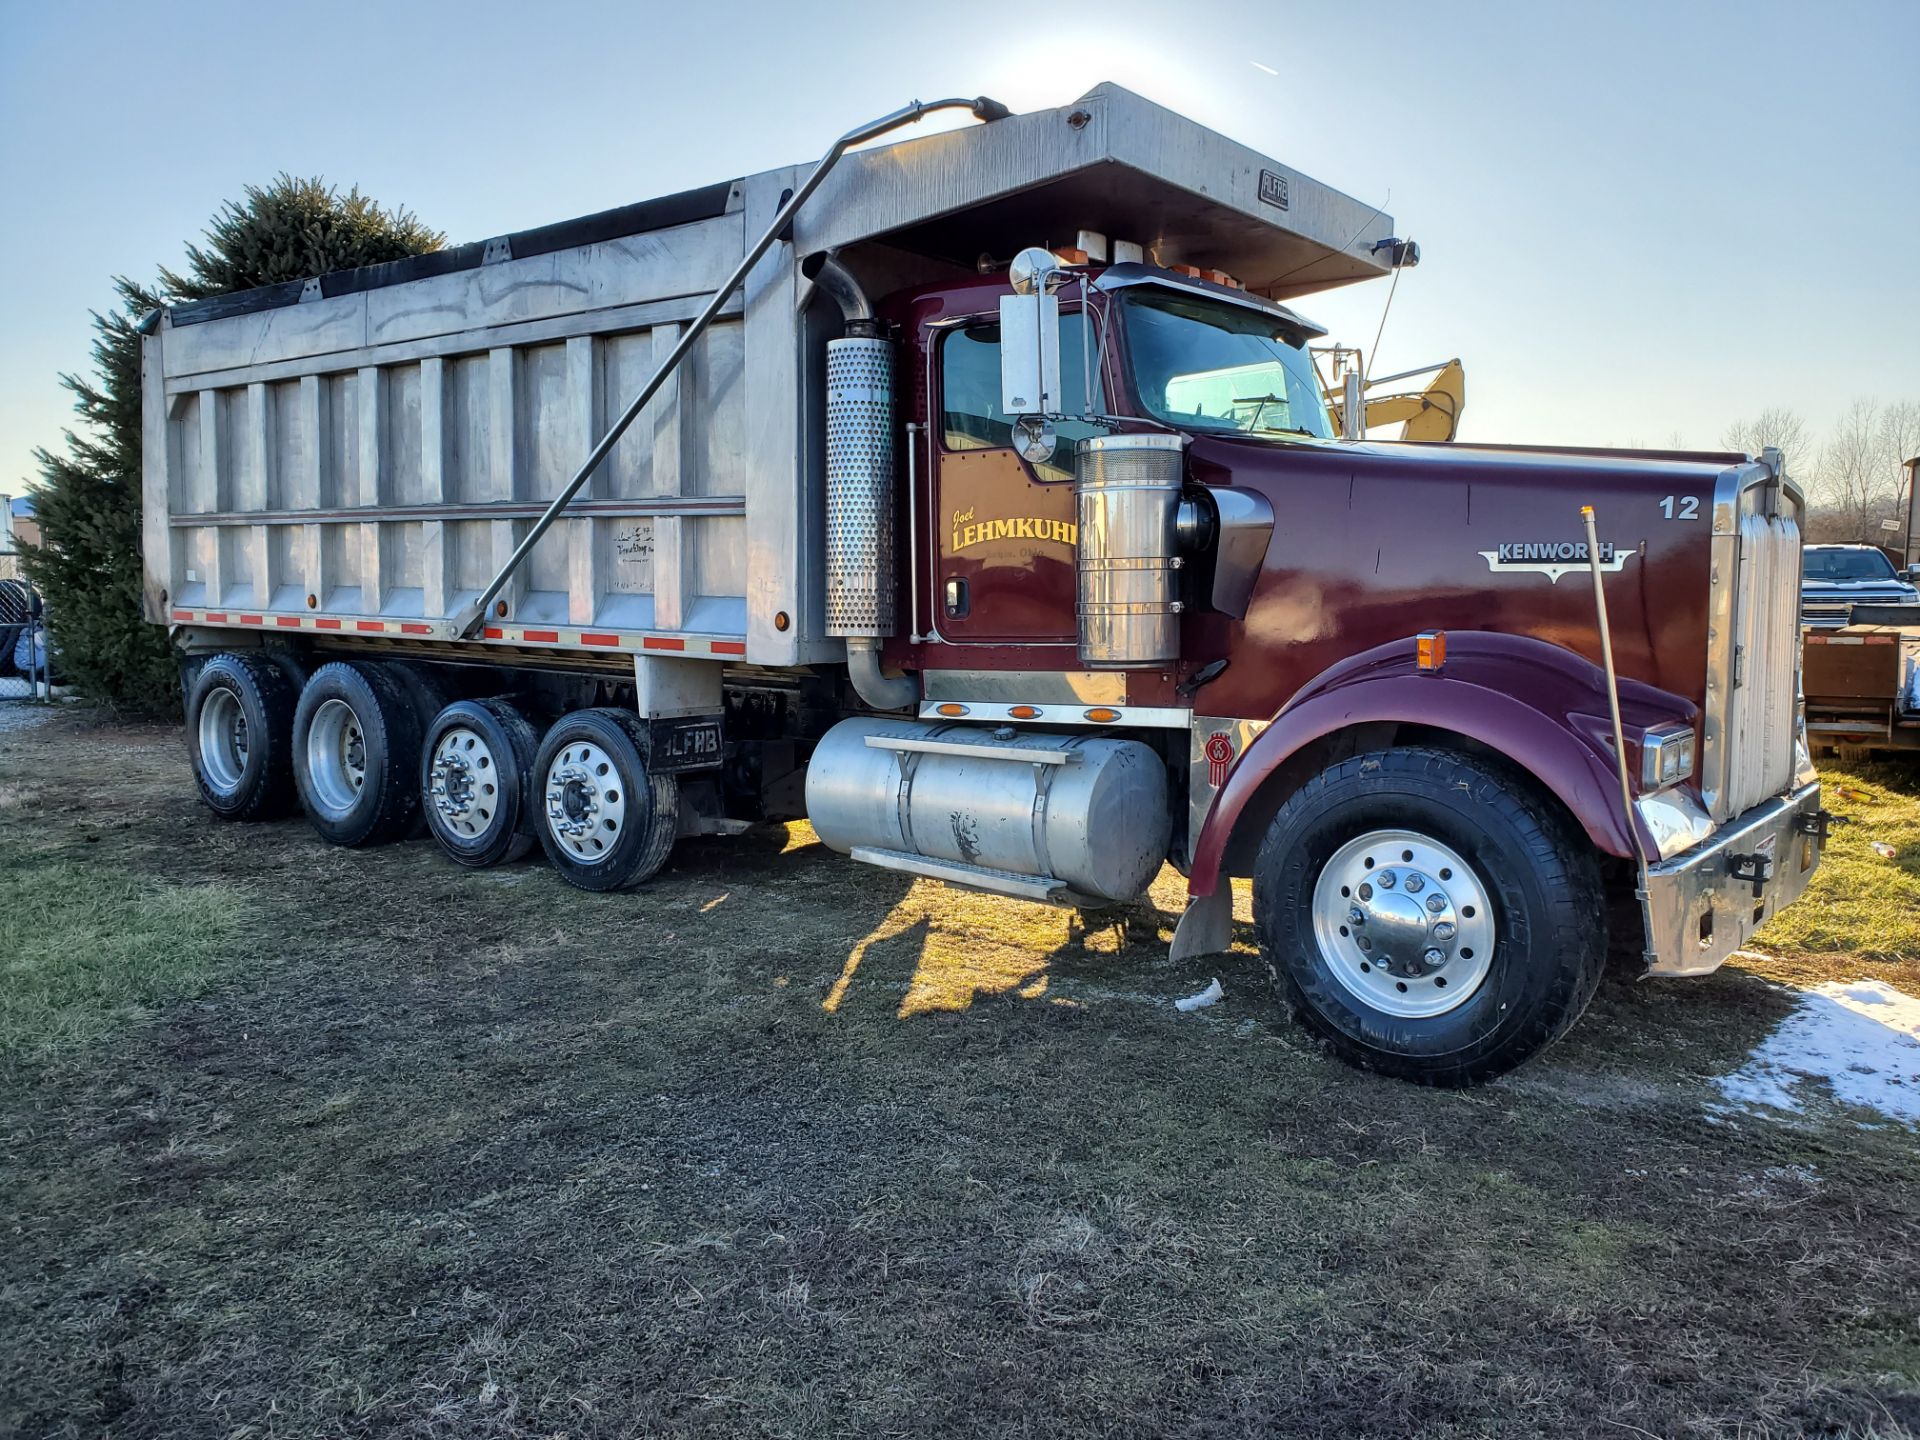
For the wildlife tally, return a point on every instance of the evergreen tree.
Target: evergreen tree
(292, 230)
(87, 565)
(87, 500)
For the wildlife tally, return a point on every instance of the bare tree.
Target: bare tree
(1859, 480)
(1777, 426)
(1900, 423)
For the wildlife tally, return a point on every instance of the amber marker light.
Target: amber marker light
(950, 709)
(1430, 649)
(1102, 716)
(1024, 712)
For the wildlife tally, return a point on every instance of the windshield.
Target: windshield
(1203, 364)
(1848, 565)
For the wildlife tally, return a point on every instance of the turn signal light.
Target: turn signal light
(1102, 716)
(1024, 712)
(1430, 649)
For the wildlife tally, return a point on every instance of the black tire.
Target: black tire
(613, 771)
(359, 779)
(477, 796)
(240, 737)
(1538, 875)
(425, 691)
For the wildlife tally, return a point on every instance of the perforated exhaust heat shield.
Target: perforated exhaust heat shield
(860, 540)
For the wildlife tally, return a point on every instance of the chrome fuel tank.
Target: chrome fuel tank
(1088, 811)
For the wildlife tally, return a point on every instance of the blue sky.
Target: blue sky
(1639, 220)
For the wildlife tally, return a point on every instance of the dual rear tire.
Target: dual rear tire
(476, 768)
(356, 754)
(351, 747)
(607, 822)
(240, 730)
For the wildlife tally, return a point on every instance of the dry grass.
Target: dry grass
(1862, 903)
(83, 953)
(783, 1146)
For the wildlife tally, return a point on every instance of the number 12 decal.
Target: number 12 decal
(1689, 507)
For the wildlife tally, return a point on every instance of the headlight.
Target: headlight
(1666, 756)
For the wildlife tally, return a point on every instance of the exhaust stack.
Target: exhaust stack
(860, 513)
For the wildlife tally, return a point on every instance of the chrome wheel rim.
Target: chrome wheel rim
(223, 741)
(336, 757)
(463, 784)
(1403, 923)
(586, 802)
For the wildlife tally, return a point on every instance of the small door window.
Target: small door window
(971, 417)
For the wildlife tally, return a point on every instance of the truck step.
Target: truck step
(1031, 754)
(1043, 889)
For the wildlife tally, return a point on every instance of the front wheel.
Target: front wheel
(1429, 915)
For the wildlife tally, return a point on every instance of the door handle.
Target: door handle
(956, 598)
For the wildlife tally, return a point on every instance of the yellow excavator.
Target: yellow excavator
(1429, 414)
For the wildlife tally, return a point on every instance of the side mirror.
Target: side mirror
(1030, 354)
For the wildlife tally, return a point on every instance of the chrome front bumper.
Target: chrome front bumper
(1706, 902)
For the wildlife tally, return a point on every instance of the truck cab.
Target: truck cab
(1333, 657)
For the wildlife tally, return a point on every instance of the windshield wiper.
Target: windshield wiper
(1263, 401)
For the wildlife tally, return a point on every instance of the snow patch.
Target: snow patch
(1860, 1038)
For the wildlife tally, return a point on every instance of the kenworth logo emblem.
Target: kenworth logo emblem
(1551, 558)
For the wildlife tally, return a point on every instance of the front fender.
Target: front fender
(1541, 706)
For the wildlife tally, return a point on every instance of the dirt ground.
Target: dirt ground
(781, 1145)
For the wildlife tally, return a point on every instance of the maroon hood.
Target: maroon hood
(1373, 542)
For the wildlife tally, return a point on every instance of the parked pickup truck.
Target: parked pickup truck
(1839, 577)
(975, 497)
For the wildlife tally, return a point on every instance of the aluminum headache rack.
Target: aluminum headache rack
(607, 434)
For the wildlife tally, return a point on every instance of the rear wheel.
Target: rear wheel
(604, 821)
(1428, 915)
(240, 729)
(356, 754)
(475, 769)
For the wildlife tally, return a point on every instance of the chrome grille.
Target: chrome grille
(1766, 660)
(1754, 650)
(1830, 611)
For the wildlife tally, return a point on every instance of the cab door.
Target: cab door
(1003, 541)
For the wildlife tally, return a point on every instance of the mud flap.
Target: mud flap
(1206, 926)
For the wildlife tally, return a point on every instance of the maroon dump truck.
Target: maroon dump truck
(975, 497)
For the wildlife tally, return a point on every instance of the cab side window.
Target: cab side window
(971, 417)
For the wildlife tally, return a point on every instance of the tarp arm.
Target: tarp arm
(468, 621)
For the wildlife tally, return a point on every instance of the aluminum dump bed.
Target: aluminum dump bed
(359, 454)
